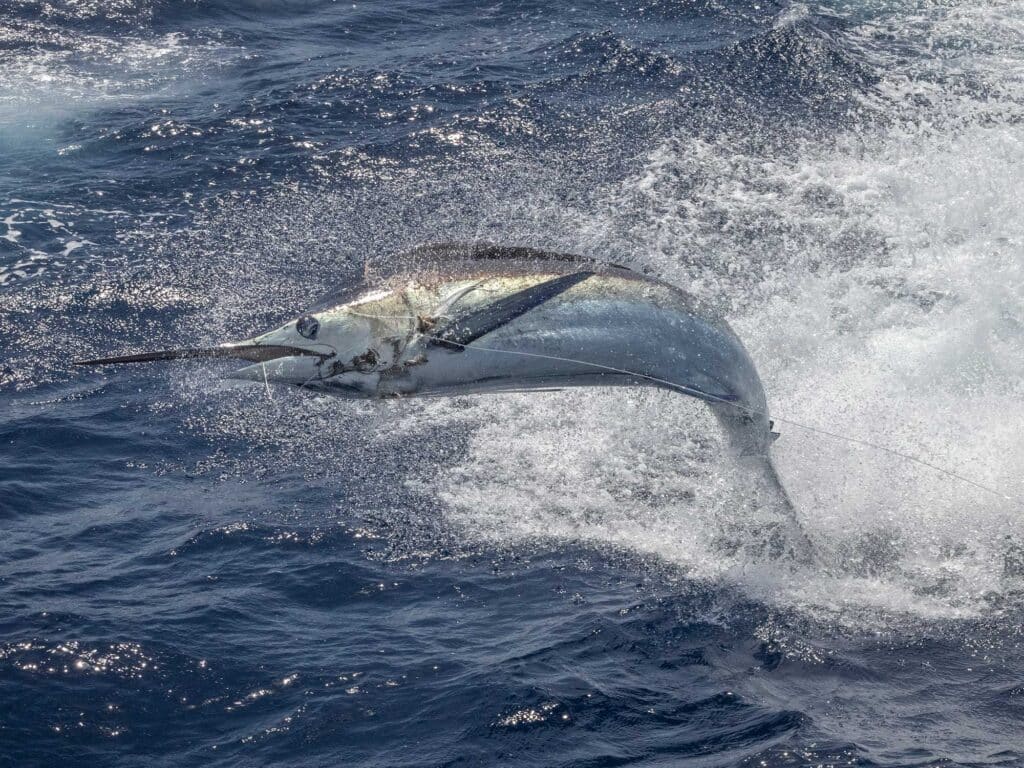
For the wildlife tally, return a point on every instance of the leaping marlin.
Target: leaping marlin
(459, 318)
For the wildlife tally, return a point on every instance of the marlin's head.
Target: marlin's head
(338, 344)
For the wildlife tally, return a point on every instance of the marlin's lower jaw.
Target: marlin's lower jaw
(290, 369)
(314, 374)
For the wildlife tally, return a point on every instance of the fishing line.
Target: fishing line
(753, 411)
(266, 383)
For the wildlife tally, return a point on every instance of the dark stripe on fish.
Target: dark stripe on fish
(458, 333)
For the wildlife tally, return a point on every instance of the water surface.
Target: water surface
(195, 572)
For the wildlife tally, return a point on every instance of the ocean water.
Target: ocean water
(197, 572)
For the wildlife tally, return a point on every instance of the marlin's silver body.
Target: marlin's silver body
(461, 318)
(602, 325)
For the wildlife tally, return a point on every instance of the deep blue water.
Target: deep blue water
(201, 573)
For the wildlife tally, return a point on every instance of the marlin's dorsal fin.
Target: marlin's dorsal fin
(456, 334)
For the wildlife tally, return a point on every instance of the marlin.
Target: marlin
(462, 318)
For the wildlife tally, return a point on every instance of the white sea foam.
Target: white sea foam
(49, 73)
(878, 279)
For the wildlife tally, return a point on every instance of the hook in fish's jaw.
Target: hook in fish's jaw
(357, 376)
(340, 349)
(343, 351)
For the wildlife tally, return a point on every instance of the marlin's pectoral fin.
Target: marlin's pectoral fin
(457, 333)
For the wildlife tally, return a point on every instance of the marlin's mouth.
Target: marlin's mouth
(254, 353)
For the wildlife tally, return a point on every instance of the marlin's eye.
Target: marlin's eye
(307, 326)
